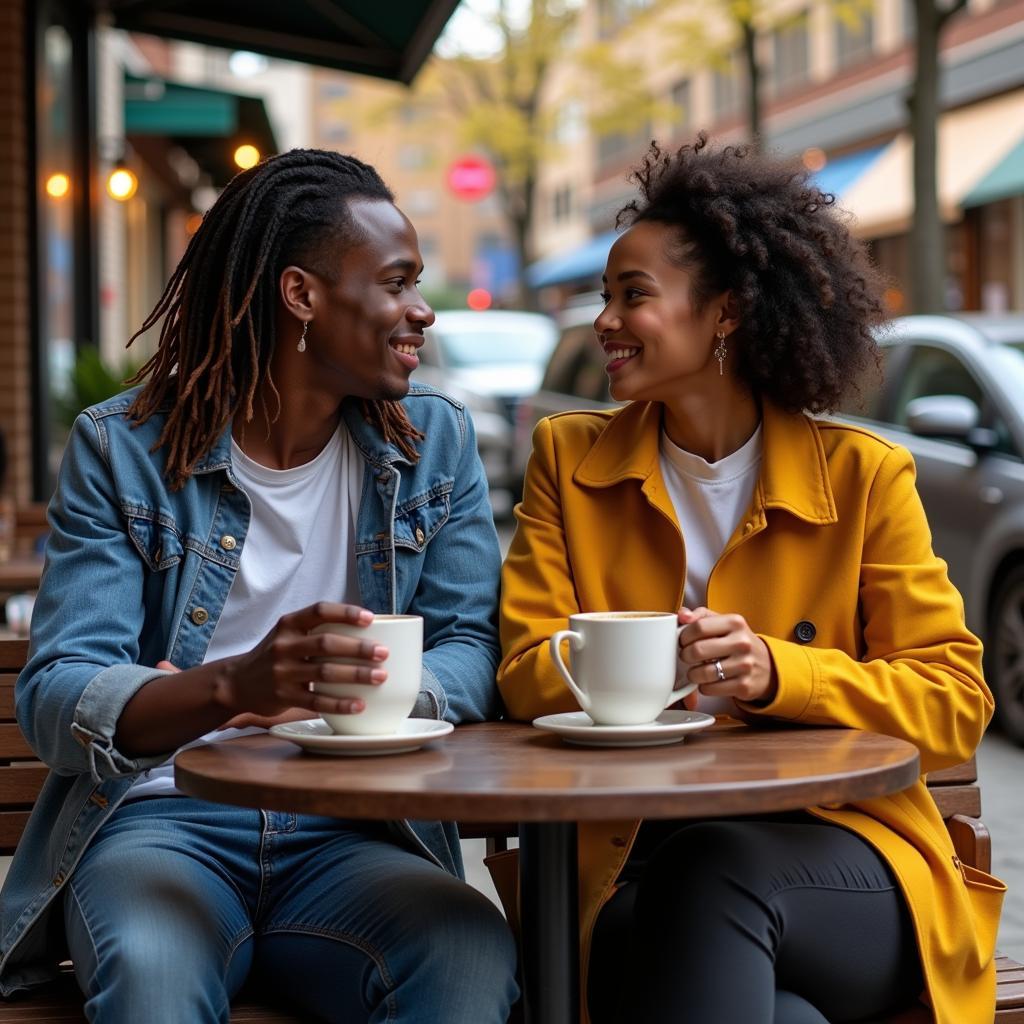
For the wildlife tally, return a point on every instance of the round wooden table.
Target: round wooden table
(499, 771)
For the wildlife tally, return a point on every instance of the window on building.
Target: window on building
(335, 133)
(854, 36)
(791, 62)
(570, 122)
(335, 89)
(415, 157)
(622, 146)
(725, 88)
(562, 204)
(614, 14)
(420, 201)
(681, 101)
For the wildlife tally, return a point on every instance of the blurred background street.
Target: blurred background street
(507, 131)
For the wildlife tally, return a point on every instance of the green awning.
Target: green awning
(389, 39)
(1004, 180)
(208, 123)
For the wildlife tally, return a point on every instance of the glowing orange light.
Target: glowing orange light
(479, 298)
(247, 156)
(893, 299)
(192, 222)
(122, 184)
(58, 185)
(814, 159)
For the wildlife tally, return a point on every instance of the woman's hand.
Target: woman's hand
(273, 681)
(709, 639)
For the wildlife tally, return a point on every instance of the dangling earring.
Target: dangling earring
(302, 340)
(720, 352)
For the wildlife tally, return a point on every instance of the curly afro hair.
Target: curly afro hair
(806, 293)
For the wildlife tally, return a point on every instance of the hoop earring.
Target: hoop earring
(302, 340)
(720, 352)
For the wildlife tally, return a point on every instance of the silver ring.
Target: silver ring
(719, 670)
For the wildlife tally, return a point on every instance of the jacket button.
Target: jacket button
(420, 535)
(805, 631)
(228, 488)
(59, 881)
(200, 616)
(227, 542)
(618, 841)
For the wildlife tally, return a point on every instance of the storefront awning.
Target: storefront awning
(388, 40)
(209, 123)
(840, 173)
(972, 142)
(1004, 180)
(576, 264)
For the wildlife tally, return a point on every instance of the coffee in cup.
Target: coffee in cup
(387, 704)
(623, 664)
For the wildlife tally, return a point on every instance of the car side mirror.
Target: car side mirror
(943, 416)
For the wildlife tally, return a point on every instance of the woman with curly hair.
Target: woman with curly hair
(796, 552)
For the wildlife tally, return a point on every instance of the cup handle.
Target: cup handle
(576, 643)
(687, 688)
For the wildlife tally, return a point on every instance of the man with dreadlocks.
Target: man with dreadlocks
(273, 472)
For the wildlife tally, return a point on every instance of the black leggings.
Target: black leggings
(753, 921)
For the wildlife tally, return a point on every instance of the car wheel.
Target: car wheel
(1006, 653)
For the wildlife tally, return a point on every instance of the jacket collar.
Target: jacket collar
(794, 470)
(365, 434)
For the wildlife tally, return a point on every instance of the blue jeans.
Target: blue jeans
(177, 901)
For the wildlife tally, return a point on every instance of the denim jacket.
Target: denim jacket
(136, 573)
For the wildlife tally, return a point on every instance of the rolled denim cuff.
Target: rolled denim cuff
(96, 716)
(431, 702)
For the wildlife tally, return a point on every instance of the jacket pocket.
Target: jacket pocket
(157, 542)
(418, 520)
(985, 893)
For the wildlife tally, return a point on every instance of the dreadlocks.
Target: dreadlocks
(218, 308)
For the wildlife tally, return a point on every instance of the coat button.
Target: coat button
(200, 616)
(805, 631)
(58, 881)
(228, 488)
(618, 841)
(420, 535)
(228, 543)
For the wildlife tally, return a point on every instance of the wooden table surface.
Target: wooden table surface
(498, 771)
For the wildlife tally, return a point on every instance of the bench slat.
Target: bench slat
(12, 743)
(967, 771)
(20, 782)
(957, 800)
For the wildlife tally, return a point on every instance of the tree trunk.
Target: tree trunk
(752, 83)
(927, 233)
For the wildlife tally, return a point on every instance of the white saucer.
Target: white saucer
(315, 735)
(668, 727)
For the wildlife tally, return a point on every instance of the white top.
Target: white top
(710, 499)
(300, 549)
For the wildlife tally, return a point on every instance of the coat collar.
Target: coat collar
(794, 470)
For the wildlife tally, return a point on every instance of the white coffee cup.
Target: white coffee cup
(624, 664)
(387, 704)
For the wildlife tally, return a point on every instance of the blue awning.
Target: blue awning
(577, 264)
(841, 172)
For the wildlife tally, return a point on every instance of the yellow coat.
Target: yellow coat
(835, 534)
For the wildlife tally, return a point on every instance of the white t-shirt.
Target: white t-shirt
(300, 548)
(710, 499)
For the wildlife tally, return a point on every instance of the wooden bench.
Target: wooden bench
(955, 790)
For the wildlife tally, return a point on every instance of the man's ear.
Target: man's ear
(296, 288)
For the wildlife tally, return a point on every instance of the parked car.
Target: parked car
(953, 394)
(489, 360)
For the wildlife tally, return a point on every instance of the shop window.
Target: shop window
(790, 55)
(725, 89)
(854, 36)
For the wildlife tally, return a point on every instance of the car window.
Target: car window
(492, 343)
(565, 358)
(933, 371)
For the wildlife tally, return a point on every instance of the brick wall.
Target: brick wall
(15, 379)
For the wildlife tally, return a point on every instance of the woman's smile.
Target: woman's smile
(618, 356)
